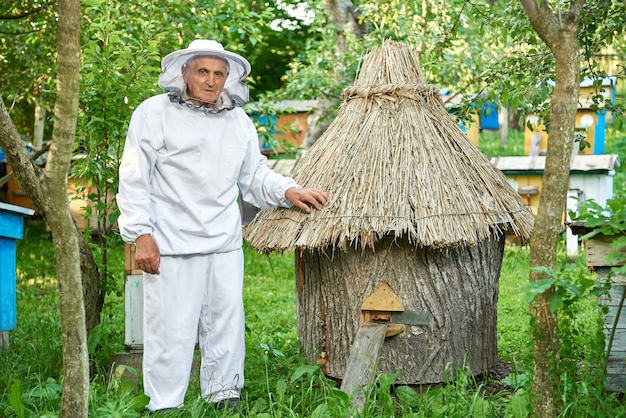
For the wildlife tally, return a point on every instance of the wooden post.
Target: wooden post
(573, 195)
(361, 368)
(4, 340)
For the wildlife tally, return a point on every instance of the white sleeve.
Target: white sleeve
(260, 185)
(137, 165)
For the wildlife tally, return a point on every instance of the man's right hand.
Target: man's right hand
(147, 255)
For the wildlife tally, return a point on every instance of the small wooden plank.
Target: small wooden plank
(619, 339)
(4, 340)
(383, 299)
(614, 384)
(612, 301)
(605, 274)
(609, 319)
(616, 373)
(361, 367)
(129, 260)
(597, 248)
(618, 354)
(11, 224)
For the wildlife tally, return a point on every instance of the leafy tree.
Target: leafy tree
(48, 190)
(27, 41)
(28, 68)
(450, 40)
(573, 32)
(559, 30)
(119, 66)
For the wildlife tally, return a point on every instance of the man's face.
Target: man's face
(205, 78)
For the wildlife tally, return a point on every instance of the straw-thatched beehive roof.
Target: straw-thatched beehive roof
(394, 161)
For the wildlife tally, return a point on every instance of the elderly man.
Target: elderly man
(189, 154)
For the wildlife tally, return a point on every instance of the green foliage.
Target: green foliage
(264, 114)
(568, 288)
(580, 371)
(514, 337)
(489, 144)
(28, 43)
(120, 64)
(15, 399)
(605, 220)
(609, 220)
(119, 72)
(117, 399)
(616, 144)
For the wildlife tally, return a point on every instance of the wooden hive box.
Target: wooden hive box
(11, 229)
(596, 249)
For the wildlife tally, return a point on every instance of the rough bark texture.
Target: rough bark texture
(458, 288)
(560, 33)
(75, 357)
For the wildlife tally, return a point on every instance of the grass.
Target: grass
(490, 145)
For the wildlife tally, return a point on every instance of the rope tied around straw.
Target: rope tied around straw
(390, 91)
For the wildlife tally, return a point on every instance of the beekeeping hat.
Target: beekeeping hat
(235, 88)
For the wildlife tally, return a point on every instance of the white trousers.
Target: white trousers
(194, 298)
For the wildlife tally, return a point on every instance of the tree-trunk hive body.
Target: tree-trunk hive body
(456, 288)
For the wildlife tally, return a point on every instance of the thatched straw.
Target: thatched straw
(394, 161)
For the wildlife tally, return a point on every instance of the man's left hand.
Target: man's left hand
(307, 198)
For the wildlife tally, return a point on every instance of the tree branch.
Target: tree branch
(21, 15)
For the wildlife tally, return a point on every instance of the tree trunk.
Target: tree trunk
(74, 400)
(456, 288)
(344, 15)
(503, 117)
(346, 18)
(39, 127)
(560, 33)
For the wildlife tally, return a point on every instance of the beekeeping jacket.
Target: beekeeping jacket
(181, 174)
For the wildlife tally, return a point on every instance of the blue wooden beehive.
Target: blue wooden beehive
(11, 229)
(489, 117)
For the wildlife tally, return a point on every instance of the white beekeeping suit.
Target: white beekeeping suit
(183, 168)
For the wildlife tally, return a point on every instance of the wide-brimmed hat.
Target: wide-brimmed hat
(171, 78)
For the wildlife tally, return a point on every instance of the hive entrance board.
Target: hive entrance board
(382, 315)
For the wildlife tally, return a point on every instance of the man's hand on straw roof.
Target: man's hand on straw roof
(306, 198)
